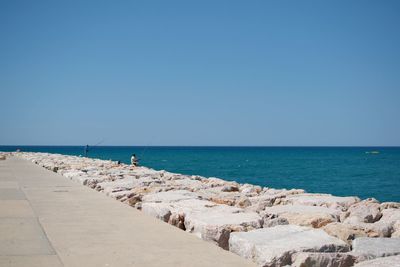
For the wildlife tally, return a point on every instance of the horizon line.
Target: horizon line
(201, 145)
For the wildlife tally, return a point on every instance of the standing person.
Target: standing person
(86, 150)
(134, 160)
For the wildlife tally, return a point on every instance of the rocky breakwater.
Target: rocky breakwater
(272, 227)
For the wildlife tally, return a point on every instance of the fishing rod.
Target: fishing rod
(87, 146)
(147, 147)
(102, 140)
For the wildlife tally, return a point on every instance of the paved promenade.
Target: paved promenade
(48, 220)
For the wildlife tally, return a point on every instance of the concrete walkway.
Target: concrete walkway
(48, 220)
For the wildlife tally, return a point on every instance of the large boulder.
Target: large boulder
(212, 182)
(271, 222)
(269, 197)
(367, 211)
(161, 211)
(259, 203)
(217, 223)
(186, 183)
(390, 205)
(217, 195)
(206, 219)
(172, 207)
(391, 217)
(275, 246)
(124, 184)
(387, 224)
(169, 196)
(325, 200)
(92, 181)
(396, 229)
(344, 232)
(250, 190)
(369, 248)
(315, 259)
(314, 216)
(393, 261)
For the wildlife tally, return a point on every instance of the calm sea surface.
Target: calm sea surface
(340, 171)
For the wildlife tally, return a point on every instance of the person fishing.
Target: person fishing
(86, 150)
(134, 160)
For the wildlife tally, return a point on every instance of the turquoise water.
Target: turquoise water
(337, 170)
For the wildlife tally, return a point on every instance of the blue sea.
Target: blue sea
(342, 171)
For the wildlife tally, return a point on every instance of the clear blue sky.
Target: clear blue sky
(200, 72)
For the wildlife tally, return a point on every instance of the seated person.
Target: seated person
(134, 160)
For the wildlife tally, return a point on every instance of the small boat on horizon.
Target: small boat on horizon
(372, 152)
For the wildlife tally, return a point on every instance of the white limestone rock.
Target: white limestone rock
(243, 202)
(325, 200)
(312, 259)
(92, 181)
(234, 187)
(120, 195)
(392, 261)
(170, 196)
(396, 229)
(216, 195)
(269, 197)
(367, 211)
(282, 192)
(250, 190)
(390, 205)
(368, 248)
(391, 216)
(343, 231)
(207, 220)
(73, 173)
(259, 203)
(216, 223)
(81, 178)
(275, 246)
(214, 182)
(157, 210)
(172, 207)
(124, 184)
(274, 222)
(382, 228)
(185, 184)
(314, 216)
